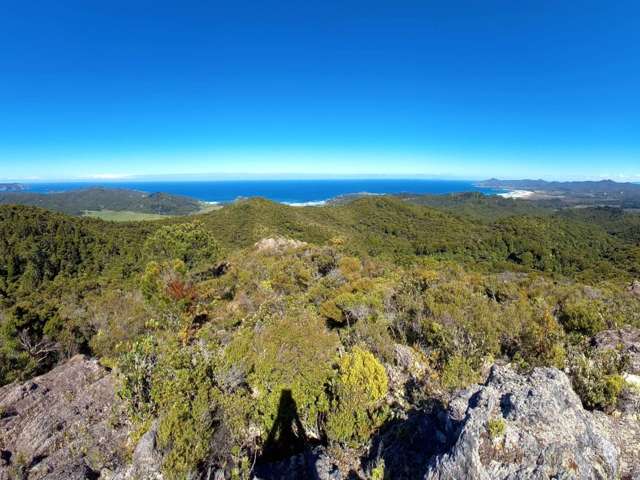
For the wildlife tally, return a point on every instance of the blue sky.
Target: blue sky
(398, 88)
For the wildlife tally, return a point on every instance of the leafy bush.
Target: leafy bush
(597, 379)
(186, 399)
(136, 375)
(357, 392)
(583, 316)
(188, 242)
(458, 372)
(291, 352)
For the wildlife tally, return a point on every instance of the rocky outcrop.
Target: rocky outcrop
(313, 464)
(626, 340)
(623, 426)
(65, 425)
(278, 245)
(146, 462)
(61, 425)
(523, 427)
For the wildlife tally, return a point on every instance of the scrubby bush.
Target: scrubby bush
(186, 399)
(458, 372)
(189, 242)
(582, 315)
(597, 379)
(496, 427)
(136, 368)
(357, 390)
(286, 353)
(536, 338)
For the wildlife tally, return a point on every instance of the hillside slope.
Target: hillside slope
(346, 348)
(76, 202)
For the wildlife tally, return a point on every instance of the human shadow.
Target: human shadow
(287, 436)
(406, 445)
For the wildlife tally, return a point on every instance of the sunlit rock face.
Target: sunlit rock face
(523, 427)
(61, 425)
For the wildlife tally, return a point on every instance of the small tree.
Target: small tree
(189, 242)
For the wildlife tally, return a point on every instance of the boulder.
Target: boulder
(61, 425)
(523, 427)
(146, 462)
(276, 245)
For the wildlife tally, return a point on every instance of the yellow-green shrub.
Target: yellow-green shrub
(597, 379)
(582, 315)
(358, 391)
(458, 372)
(291, 352)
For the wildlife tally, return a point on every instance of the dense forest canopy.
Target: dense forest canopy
(214, 316)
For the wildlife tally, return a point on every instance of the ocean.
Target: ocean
(292, 192)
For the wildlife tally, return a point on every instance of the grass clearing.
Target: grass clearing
(123, 216)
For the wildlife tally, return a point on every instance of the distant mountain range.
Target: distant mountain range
(594, 187)
(77, 202)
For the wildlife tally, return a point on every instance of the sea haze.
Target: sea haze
(294, 192)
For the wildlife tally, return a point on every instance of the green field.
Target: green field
(129, 216)
(123, 216)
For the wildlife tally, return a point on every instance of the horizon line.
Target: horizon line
(212, 177)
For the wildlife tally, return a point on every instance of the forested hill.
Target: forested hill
(598, 243)
(603, 192)
(77, 202)
(352, 317)
(595, 187)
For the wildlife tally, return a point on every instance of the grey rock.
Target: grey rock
(546, 432)
(313, 463)
(277, 245)
(146, 462)
(626, 340)
(61, 425)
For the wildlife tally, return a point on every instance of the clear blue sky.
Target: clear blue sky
(320, 88)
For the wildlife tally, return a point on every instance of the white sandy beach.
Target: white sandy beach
(517, 194)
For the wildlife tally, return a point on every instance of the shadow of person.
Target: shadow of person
(287, 436)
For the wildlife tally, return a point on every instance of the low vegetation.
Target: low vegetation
(238, 353)
(122, 216)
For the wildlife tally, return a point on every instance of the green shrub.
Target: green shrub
(597, 380)
(458, 372)
(186, 399)
(540, 339)
(582, 316)
(495, 427)
(357, 391)
(285, 353)
(188, 242)
(136, 368)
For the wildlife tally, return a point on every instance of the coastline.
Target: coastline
(517, 194)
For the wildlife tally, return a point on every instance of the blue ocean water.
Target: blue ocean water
(295, 192)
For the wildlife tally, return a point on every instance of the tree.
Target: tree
(189, 242)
